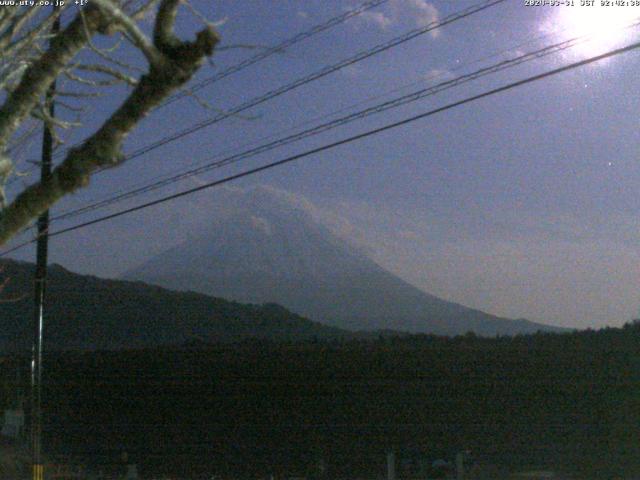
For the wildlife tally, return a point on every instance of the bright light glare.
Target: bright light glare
(605, 24)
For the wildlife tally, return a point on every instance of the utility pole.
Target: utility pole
(391, 465)
(40, 284)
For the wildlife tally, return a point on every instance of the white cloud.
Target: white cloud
(351, 71)
(303, 14)
(554, 267)
(378, 19)
(418, 12)
(438, 74)
(425, 14)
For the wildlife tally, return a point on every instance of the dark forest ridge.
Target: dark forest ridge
(565, 403)
(86, 312)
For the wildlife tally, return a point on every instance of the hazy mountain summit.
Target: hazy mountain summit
(264, 245)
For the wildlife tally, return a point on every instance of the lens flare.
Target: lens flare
(605, 24)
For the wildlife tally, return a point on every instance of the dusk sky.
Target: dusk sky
(525, 204)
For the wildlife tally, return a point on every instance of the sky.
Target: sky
(524, 204)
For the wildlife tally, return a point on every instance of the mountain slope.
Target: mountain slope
(268, 248)
(85, 312)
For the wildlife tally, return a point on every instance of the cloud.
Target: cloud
(378, 19)
(572, 283)
(555, 267)
(439, 74)
(303, 14)
(425, 14)
(351, 71)
(420, 13)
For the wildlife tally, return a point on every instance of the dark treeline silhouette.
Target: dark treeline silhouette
(89, 313)
(567, 402)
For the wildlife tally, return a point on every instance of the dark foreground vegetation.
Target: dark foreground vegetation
(568, 402)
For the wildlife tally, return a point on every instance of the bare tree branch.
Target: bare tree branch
(111, 72)
(38, 76)
(131, 29)
(177, 63)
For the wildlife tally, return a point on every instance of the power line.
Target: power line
(327, 70)
(459, 15)
(394, 103)
(344, 141)
(276, 49)
(315, 76)
(280, 47)
(160, 178)
(142, 185)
